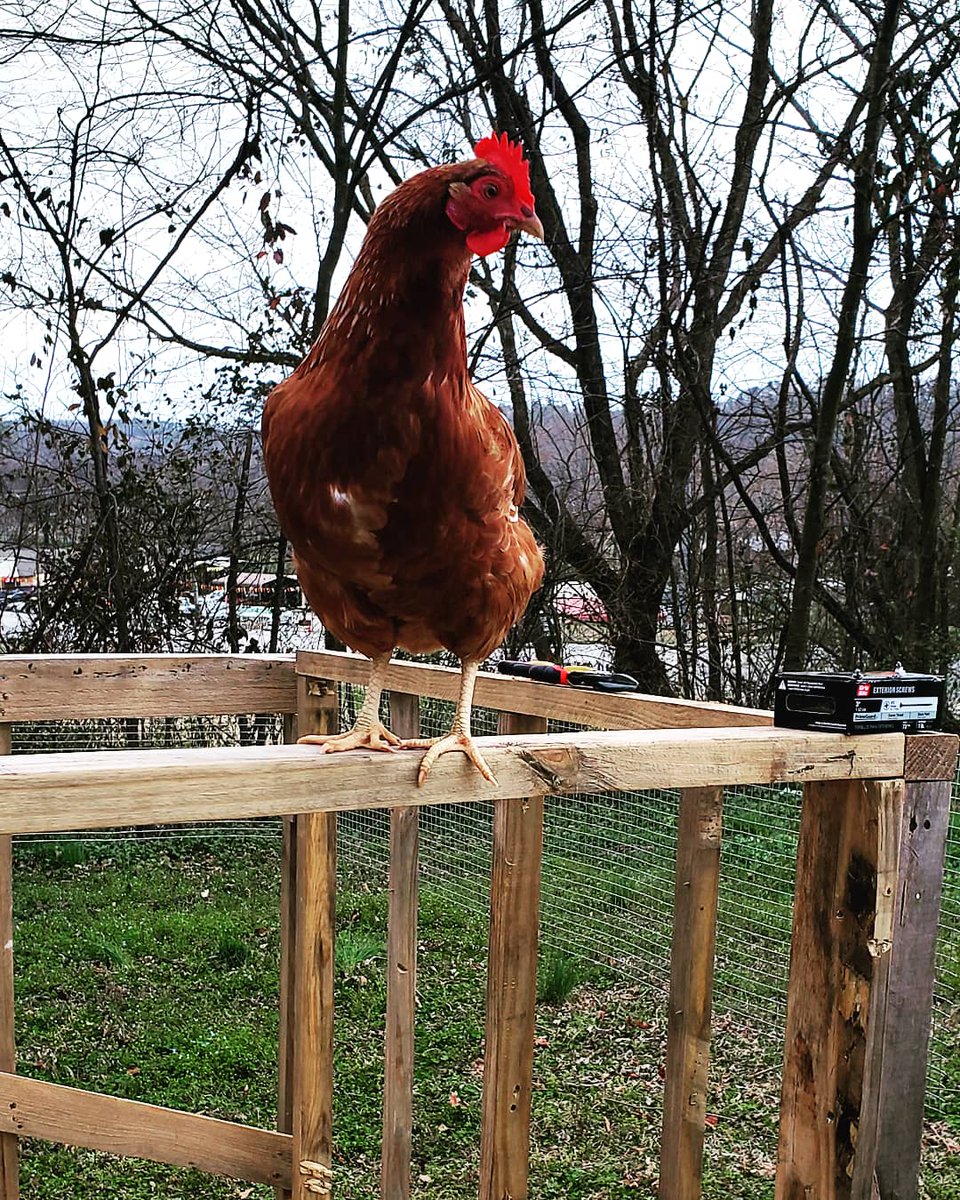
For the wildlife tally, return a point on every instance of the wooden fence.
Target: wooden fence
(869, 871)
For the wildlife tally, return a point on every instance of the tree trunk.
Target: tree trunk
(236, 542)
(279, 596)
(834, 389)
(709, 588)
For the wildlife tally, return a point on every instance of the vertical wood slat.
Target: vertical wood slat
(847, 878)
(401, 975)
(691, 992)
(511, 987)
(903, 1069)
(311, 971)
(288, 924)
(9, 1146)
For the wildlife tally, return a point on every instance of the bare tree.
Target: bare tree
(694, 358)
(87, 209)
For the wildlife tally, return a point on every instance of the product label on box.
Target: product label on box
(896, 708)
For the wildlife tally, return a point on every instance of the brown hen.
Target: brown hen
(396, 481)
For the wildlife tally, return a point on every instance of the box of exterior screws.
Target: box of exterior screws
(896, 701)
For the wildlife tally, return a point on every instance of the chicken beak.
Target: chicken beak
(529, 225)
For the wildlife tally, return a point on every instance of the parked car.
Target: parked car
(17, 599)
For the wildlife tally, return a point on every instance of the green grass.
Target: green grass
(557, 975)
(152, 972)
(356, 948)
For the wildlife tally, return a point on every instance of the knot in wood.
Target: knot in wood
(710, 817)
(561, 768)
(879, 946)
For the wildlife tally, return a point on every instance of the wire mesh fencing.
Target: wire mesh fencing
(146, 733)
(607, 891)
(607, 898)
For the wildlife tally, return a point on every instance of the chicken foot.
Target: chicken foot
(459, 737)
(368, 732)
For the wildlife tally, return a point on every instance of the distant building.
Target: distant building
(582, 613)
(258, 587)
(18, 569)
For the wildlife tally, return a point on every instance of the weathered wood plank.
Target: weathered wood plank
(511, 987)
(311, 1068)
(286, 1047)
(862, 1079)
(313, 1005)
(631, 710)
(902, 1080)
(847, 868)
(405, 714)
(35, 1108)
(51, 792)
(401, 1005)
(9, 1144)
(929, 756)
(63, 686)
(691, 992)
(57, 687)
(288, 927)
(401, 976)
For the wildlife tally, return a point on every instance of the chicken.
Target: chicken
(396, 481)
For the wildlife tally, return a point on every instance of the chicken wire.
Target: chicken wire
(608, 878)
(150, 733)
(146, 733)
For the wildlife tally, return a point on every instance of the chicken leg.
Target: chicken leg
(368, 732)
(459, 737)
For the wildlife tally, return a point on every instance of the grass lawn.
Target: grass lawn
(149, 970)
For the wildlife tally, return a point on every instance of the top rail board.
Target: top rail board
(73, 686)
(60, 687)
(55, 792)
(622, 710)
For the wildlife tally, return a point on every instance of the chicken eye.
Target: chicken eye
(490, 191)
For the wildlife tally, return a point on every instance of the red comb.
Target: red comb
(507, 157)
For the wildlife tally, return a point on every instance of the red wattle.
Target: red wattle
(488, 241)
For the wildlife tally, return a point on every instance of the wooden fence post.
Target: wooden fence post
(930, 770)
(847, 863)
(869, 876)
(288, 925)
(511, 987)
(401, 975)
(307, 971)
(691, 992)
(9, 1143)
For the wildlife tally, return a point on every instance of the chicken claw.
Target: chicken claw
(445, 745)
(363, 736)
(459, 737)
(368, 732)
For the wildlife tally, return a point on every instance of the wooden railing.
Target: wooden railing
(870, 861)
